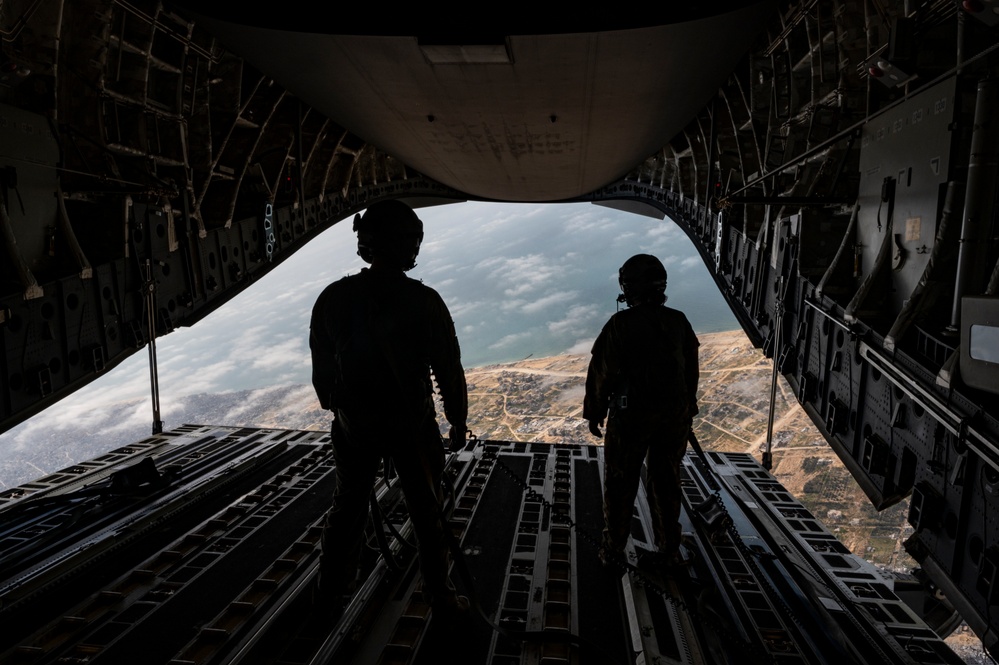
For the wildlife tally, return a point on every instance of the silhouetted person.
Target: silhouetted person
(375, 337)
(644, 373)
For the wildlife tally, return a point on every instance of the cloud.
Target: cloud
(281, 355)
(141, 415)
(252, 404)
(464, 308)
(548, 301)
(512, 305)
(182, 381)
(662, 236)
(664, 229)
(580, 348)
(510, 340)
(296, 296)
(524, 274)
(525, 286)
(590, 221)
(576, 320)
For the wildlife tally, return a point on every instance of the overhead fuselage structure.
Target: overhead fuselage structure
(834, 162)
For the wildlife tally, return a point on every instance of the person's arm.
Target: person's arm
(323, 355)
(450, 375)
(691, 369)
(598, 382)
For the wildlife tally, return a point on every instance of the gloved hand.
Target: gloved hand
(595, 426)
(456, 438)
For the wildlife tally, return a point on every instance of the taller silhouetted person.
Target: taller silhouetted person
(643, 373)
(375, 337)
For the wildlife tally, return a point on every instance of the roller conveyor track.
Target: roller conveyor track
(852, 601)
(41, 524)
(233, 583)
(792, 592)
(215, 465)
(57, 533)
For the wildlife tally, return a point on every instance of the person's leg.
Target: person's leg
(343, 530)
(420, 465)
(663, 487)
(623, 457)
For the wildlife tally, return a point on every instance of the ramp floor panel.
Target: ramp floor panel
(767, 582)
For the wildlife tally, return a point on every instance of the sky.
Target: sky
(519, 280)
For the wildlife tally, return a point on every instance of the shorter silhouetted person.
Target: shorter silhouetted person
(643, 378)
(375, 337)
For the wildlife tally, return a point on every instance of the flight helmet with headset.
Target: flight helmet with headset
(643, 280)
(389, 230)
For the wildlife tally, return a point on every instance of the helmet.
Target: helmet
(389, 230)
(643, 280)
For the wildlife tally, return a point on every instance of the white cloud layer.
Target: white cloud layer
(518, 280)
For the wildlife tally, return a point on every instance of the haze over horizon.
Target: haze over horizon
(519, 280)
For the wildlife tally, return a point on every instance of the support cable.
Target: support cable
(149, 295)
(768, 457)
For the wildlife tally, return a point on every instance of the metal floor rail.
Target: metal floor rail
(218, 568)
